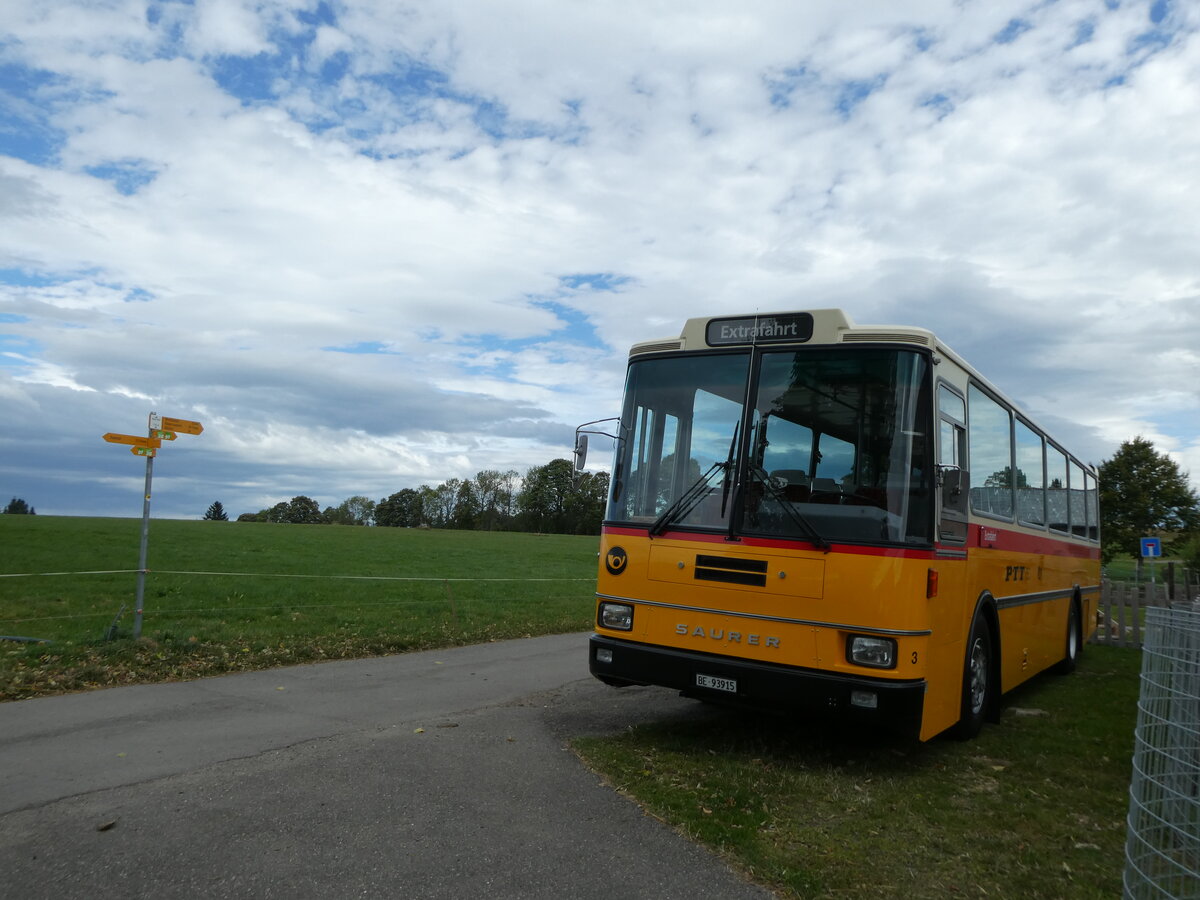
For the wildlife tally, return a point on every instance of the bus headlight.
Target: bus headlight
(618, 616)
(876, 652)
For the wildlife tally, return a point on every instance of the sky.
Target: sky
(376, 244)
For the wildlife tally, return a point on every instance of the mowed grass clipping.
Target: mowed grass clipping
(235, 596)
(1033, 808)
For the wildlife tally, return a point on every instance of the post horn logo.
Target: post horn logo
(615, 560)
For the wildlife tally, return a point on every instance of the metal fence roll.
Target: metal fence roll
(1162, 848)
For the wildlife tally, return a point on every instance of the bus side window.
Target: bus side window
(1093, 507)
(1076, 502)
(953, 477)
(991, 455)
(1057, 502)
(1030, 480)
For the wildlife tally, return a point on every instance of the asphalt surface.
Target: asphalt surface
(426, 775)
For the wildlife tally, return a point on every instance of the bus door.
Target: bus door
(950, 603)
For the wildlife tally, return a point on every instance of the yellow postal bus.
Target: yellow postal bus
(809, 514)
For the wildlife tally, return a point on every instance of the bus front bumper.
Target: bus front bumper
(706, 676)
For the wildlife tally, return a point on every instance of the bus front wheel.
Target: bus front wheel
(977, 687)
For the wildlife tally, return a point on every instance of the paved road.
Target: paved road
(438, 774)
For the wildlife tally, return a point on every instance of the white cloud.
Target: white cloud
(232, 27)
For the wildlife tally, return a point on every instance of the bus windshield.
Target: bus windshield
(834, 445)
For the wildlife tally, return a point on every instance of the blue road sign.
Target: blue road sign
(1151, 547)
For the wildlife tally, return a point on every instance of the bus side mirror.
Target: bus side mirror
(581, 445)
(581, 439)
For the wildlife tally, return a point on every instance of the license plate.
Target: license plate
(711, 682)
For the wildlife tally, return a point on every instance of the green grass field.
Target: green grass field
(231, 596)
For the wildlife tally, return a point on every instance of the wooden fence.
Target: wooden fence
(1122, 606)
(1123, 609)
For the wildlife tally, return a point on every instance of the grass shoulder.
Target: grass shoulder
(1034, 807)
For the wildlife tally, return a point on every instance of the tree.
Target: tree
(1143, 493)
(544, 495)
(428, 498)
(18, 507)
(357, 510)
(466, 507)
(300, 510)
(303, 511)
(494, 497)
(216, 513)
(585, 507)
(440, 506)
(1190, 553)
(400, 510)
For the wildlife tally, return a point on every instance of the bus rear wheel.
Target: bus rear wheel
(1074, 642)
(977, 687)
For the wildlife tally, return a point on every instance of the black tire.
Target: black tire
(1074, 643)
(977, 688)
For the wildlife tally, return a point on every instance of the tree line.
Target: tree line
(551, 499)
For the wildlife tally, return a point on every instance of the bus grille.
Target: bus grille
(731, 570)
(661, 347)
(872, 337)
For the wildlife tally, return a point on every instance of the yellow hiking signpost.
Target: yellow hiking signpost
(186, 426)
(158, 429)
(138, 443)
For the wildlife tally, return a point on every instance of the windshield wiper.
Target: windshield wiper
(687, 500)
(798, 520)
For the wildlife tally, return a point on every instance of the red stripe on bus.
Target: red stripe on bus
(980, 537)
(769, 543)
(991, 537)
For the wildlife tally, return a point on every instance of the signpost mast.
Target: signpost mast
(158, 429)
(1152, 550)
(141, 575)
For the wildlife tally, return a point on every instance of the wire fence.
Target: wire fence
(436, 578)
(1162, 851)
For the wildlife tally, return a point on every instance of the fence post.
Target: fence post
(1106, 589)
(1137, 619)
